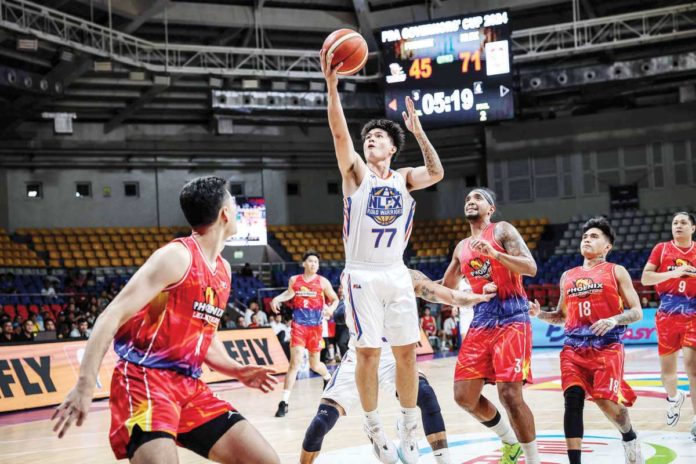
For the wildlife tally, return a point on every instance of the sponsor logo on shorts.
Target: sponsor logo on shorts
(384, 205)
(584, 287)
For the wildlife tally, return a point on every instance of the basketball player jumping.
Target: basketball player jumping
(671, 268)
(163, 325)
(309, 293)
(591, 308)
(340, 394)
(378, 216)
(498, 345)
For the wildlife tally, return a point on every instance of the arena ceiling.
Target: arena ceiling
(112, 92)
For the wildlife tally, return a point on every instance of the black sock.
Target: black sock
(493, 422)
(628, 436)
(574, 456)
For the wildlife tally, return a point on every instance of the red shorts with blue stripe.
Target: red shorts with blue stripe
(599, 371)
(308, 336)
(158, 400)
(675, 331)
(502, 353)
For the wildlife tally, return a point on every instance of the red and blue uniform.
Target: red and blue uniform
(593, 362)
(498, 345)
(676, 316)
(308, 308)
(156, 385)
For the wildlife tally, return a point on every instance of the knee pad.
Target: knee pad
(430, 408)
(572, 418)
(323, 422)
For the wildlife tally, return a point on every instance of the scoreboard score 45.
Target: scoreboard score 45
(457, 70)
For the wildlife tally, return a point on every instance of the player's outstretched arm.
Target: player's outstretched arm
(165, 267)
(329, 296)
(453, 274)
(352, 167)
(652, 277)
(432, 171)
(634, 313)
(517, 257)
(556, 317)
(252, 376)
(436, 293)
(287, 295)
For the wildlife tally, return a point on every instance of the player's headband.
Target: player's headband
(487, 196)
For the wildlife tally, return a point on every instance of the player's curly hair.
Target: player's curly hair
(394, 129)
(201, 200)
(601, 223)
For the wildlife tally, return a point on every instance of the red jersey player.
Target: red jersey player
(497, 347)
(309, 293)
(591, 308)
(163, 324)
(671, 268)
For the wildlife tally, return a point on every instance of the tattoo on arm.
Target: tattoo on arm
(628, 317)
(512, 241)
(424, 291)
(430, 157)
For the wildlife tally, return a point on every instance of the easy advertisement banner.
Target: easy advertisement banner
(41, 374)
(641, 332)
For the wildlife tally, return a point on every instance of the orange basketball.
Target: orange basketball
(347, 47)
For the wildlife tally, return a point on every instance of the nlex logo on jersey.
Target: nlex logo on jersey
(208, 309)
(585, 287)
(384, 205)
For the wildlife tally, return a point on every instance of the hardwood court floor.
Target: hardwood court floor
(27, 437)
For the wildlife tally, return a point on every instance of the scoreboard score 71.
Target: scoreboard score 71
(457, 70)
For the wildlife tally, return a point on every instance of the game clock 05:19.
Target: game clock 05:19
(457, 70)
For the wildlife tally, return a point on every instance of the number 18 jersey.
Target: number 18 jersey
(591, 294)
(377, 220)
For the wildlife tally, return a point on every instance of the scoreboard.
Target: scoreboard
(457, 70)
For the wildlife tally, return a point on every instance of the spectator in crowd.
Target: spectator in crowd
(254, 321)
(255, 310)
(63, 331)
(450, 330)
(246, 271)
(82, 330)
(8, 334)
(342, 335)
(49, 325)
(27, 334)
(38, 322)
(48, 290)
(103, 300)
(429, 326)
(282, 330)
(644, 302)
(241, 322)
(92, 314)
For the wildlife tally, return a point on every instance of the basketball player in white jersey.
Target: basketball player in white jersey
(378, 216)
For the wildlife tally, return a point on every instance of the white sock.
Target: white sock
(505, 432)
(286, 395)
(531, 453)
(674, 398)
(327, 376)
(410, 416)
(372, 418)
(442, 456)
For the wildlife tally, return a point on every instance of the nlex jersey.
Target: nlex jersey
(156, 386)
(498, 344)
(595, 363)
(379, 297)
(676, 317)
(308, 307)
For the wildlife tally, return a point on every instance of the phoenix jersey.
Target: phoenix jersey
(308, 302)
(175, 329)
(480, 270)
(377, 220)
(591, 294)
(676, 295)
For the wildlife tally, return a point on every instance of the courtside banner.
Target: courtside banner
(423, 346)
(641, 332)
(41, 374)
